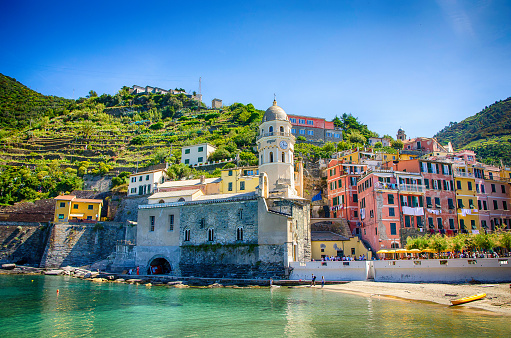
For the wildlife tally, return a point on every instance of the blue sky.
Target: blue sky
(412, 64)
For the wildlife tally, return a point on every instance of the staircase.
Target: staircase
(62, 248)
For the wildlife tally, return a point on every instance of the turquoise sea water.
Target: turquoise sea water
(30, 307)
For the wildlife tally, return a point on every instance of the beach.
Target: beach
(497, 300)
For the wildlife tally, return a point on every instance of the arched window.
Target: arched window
(240, 214)
(271, 157)
(187, 235)
(270, 129)
(181, 199)
(211, 234)
(283, 157)
(394, 245)
(161, 201)
(239, 234)
(281, 129)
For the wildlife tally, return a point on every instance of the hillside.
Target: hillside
(114, 135)
(488, 133)
(19, 105)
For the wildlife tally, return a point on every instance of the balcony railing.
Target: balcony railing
(388, 186)
(274, 133)
(412, 188)
(463, 174)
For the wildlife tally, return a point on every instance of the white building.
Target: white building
(143, 183)
(196, 154)
(384, 141)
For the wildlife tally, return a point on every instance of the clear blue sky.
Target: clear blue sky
(411, 64)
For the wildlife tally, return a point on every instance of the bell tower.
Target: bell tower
(275, 145)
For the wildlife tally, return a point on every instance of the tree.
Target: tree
(357, 138)
(378, 145)
(92, 94)
(397, 144)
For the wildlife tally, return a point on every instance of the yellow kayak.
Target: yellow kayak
(468, 299)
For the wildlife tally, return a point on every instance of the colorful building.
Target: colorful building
(326, 243)
(68, 208)
(466, 198)
(236, 180)
(314, 128)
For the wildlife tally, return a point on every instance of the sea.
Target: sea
(31, 307)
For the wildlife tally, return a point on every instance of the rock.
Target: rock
(120, 280)
(99, 280)
(215, 285)
(54, 272)
(134, 281)
(8, 266)
(174, 283)
(149, 284)
(87, 275)
(110, 277)
(181, 286)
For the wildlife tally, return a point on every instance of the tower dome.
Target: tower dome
(274, 113)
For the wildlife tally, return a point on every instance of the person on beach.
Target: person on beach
(313, 281)
(322, 281)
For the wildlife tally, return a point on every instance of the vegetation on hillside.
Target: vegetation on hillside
(487, 133)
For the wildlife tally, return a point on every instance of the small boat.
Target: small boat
(468, 299)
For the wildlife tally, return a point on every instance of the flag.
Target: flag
(317, 197)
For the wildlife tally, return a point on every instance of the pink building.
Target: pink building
(314, 128)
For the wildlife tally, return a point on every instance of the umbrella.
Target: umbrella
(429, 250)
(414, 251)
(402, 251)
(382, 251)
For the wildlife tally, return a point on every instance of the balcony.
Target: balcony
(274, 133)
(412, 188)
(463, 174)
(386, 186)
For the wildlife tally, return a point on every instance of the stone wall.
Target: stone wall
(127, 210)
(79, 245)
(22, 242)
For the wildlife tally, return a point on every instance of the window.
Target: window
(171, 222)
(393, 230)
(337, 135)
(328, 134)
(271, 157)
(485, 206)
(89, 218)
(187, 151)
(495, 205)
(428, 202)
(473, 224)
(270, 130)
(61, 216)
(202, 223)
(229, 186)
(407, 221)
(211, 235)
(293, 130)
(187, 235)
(240, 214)
(133, 179)
(187, 161)
(310, 122)
(75, 206)
(479, 204)
(503, 187)
(62, 204)
(90, 207)
(426, 183)
(458, 185)
(353, 251)
(355, 198)
(310, 132)
(242, 185)
(460, 204)
(230, 172)
(504, 205)
(439, 223)
(293, 120)
(462, 224)
(391, 199)
(301, 121)
(147, 177)
(483, 224)
(451, 223)
(419, 221)
(151, 223)
(355, 213)
(239, 234)
(430, 222)
(302, 131)
(483, 189)
(493, 188)
(201, 149)
(200, 159)
(392, 212)
(283, 157)
(140, 178)
(471, 203)
(469, 185)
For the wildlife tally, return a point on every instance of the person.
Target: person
(313, 282)
(138, 270)
(322, 281)
(271, 282)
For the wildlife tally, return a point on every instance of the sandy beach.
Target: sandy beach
(498, 296)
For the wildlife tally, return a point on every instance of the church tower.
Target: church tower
(275, 145)
(401, 135)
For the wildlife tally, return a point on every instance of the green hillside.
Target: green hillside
(113, 135)
(19, 105)
(488, 133)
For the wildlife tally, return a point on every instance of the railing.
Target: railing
(384, 185)
(462, 174)
(274, 133)
(412, 188)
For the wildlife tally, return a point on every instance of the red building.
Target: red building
(314, 128)
(342, 191)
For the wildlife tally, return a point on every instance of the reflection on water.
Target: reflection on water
(84, 309)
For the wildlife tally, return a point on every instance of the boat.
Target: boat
(468, 299)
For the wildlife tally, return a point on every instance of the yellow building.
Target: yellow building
(236, 180)
(68, 208)
(466, 198)
(326, 243)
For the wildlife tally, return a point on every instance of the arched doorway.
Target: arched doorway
(159, 266)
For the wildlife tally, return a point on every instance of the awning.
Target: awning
(75, 215)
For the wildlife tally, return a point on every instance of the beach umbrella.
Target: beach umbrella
(402, 251)
(414, 251)
(382, 251)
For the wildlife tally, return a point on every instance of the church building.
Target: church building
(235, 235)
